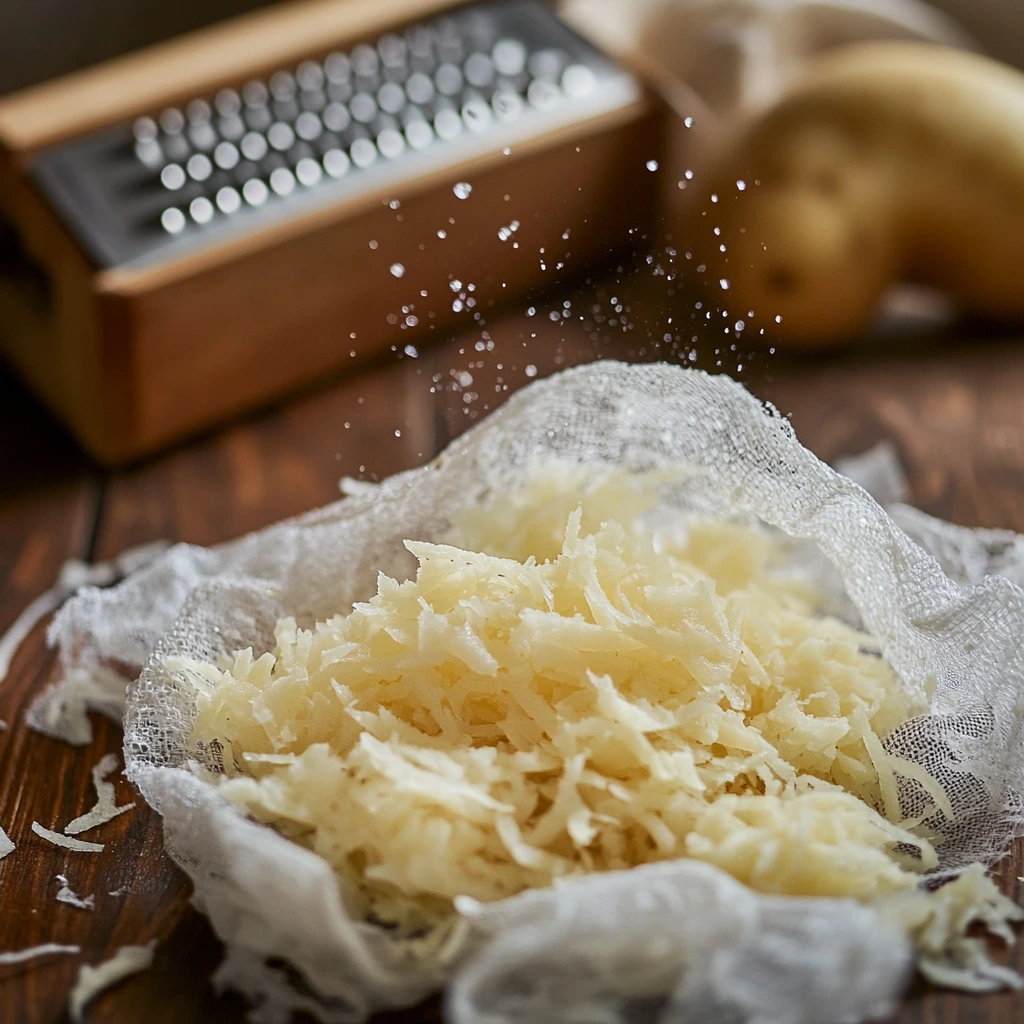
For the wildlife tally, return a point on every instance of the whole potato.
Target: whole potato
(888, 162)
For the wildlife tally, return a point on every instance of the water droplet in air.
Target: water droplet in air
(724, 283)
(532, 311)
(373, 243)
(442, 234)
(411, 321)
(741, 185)
(398, 433)
(778, 319)
(456, 285)
(397, 270)
(652, 165)
(394, 204)
(688, 121)
(531, 370)
(462, 189)
(714, 198)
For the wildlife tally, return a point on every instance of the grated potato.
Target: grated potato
(68, 895)
(21, 956)
(937, 923)
(66, 841)
(91, 981)
(105, 809)
(571, 690)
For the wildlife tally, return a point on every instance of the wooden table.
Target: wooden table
(951, 406)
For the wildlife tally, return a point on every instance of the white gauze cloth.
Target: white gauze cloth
(672, 943)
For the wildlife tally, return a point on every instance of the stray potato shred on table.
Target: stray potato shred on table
(571, 690)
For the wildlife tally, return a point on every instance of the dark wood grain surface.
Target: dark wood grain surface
(951, 403)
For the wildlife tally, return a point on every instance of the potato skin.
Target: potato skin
(888, 162)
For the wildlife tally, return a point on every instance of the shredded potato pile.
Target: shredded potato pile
(579, 692)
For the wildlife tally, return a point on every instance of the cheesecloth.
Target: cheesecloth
(673, 943)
